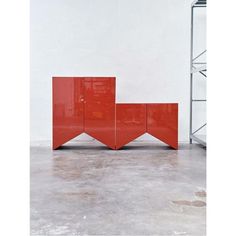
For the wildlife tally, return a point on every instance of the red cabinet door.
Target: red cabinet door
(99, 109)
(162, 122)
(130, 122)
(67, 109)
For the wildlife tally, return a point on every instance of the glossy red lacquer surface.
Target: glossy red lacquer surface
(100, 109)
(87, 104)
(162, 122)
(130, 122)
(67, 109)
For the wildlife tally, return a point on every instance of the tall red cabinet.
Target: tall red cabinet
(87, 105)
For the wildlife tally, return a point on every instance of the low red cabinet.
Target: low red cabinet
(87, 105)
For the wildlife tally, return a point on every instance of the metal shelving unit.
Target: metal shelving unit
(196, 68)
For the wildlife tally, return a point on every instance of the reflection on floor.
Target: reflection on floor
(143, 189)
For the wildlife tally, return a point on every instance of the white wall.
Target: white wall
(144, 43)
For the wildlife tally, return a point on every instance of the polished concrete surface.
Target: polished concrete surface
(143, 189)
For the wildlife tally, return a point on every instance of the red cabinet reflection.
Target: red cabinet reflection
(87, 105)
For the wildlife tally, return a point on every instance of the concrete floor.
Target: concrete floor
(143, 189)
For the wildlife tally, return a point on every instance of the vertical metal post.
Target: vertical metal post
(191, 78)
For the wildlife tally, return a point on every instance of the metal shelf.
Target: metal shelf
(199, 3)
(196, 68)
(199, 139)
